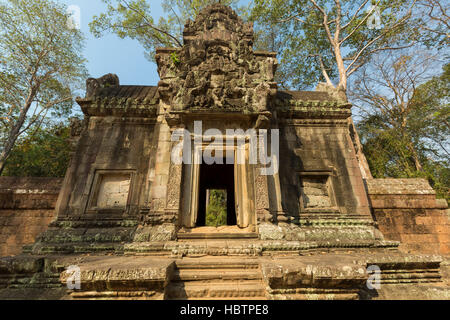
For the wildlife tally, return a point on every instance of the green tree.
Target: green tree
(133, 19)
(46, 153)
(329, 40)
(434, 22)
(405, 128)
(40, 67)
(388, 156)
(216, 211)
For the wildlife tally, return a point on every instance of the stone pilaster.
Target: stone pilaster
(174, 185)
(262, 197)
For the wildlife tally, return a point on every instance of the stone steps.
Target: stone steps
(223, 274)
(229, 298)
(221, 236)
(218, 290)
(38, 280)
(216, 263)
(211, 279)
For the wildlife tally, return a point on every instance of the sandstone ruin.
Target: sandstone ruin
(132, 220)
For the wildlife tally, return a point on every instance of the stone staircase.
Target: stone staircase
(215, 279)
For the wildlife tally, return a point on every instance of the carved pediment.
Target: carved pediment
(216, 68)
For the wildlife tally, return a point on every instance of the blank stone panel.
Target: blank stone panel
(113, 191)
(315, 192)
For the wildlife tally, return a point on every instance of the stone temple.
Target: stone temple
(306, 223)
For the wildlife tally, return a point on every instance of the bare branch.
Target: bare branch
(325, 21)
(387, 29)
(359, 24)
(377, 50)
(354, 15)
(296, 17)
(324, 70)
(151, 25)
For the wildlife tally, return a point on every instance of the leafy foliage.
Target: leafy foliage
(40, 67)
(43, 154)
(328, 40)
(389, 157)
(434, 22)
(133, 19)
(413, 141)
(216, 212)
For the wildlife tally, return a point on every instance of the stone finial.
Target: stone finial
(94, 85)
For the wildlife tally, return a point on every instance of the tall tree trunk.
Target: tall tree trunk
(362, 160)
(342, 86)
(15, 131)
(415, 157)
(342, 91)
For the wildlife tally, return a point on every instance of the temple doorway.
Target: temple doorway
(233, 180)
(216, 205)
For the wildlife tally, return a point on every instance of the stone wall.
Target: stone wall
(320, 168)
(407, 210)
(26, 208)
(108, 172)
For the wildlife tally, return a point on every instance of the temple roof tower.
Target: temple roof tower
(217, 69)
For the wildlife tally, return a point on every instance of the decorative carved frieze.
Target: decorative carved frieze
(216, 68)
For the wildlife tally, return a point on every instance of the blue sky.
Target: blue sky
(110, 54)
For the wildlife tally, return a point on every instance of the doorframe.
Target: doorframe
(243, 197)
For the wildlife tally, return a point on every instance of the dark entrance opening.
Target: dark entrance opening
(216, 177)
